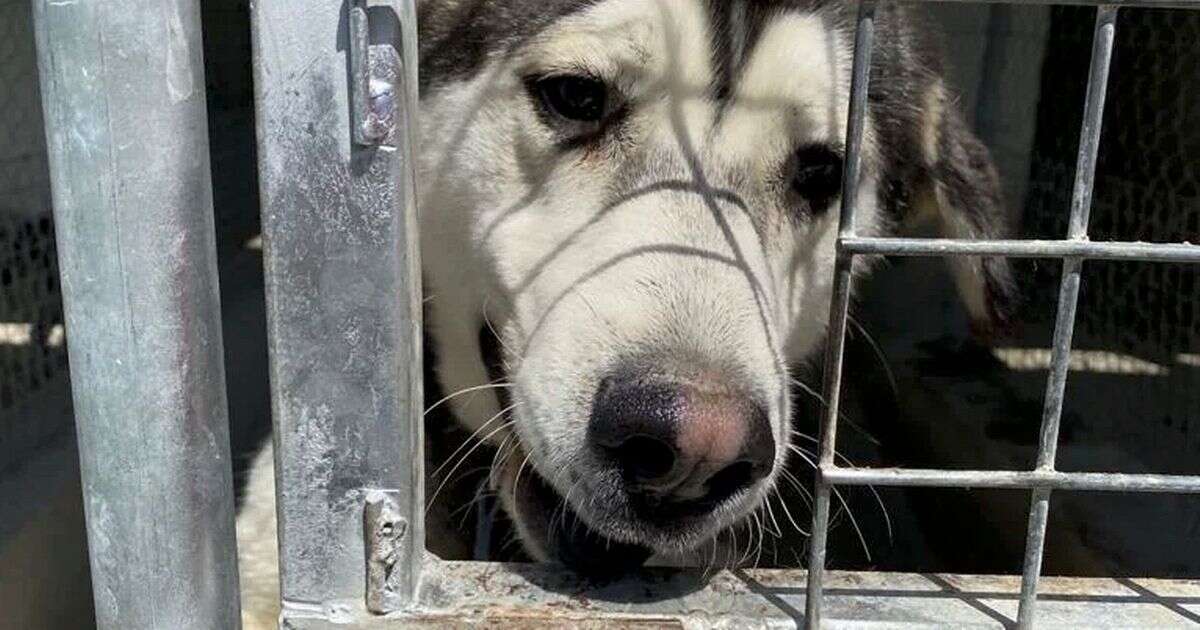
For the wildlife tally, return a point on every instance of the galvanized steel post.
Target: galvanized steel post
(123, 89)
(335, 91)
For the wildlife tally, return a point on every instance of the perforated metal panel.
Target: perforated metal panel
(32, 343)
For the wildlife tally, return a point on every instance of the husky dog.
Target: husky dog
(628, 218)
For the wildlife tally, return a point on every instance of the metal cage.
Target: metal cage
(336, 88)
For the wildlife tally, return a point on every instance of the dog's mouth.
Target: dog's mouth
(549, 524)
(544, 518)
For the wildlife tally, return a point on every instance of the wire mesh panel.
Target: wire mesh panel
(1073, 251)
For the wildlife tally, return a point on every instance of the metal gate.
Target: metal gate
(336, 97)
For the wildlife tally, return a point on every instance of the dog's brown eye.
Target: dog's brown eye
(817, 176)
(577, 98)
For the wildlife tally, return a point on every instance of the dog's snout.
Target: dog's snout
(681, 445)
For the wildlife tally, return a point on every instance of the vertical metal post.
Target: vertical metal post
(864, 40)
(335, 125)
(1068, 300)
(123, 87)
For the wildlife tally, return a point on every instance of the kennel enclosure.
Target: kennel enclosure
(123, 93)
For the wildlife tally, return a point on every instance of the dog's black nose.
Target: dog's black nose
(682, 445)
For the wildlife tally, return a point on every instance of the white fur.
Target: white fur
(258, 551)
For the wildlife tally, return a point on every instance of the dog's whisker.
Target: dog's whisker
(487, 320)
(750, 530)
(806, 388)
(758, 524)
(564, 500)
(467, 509)
(560, 513)
(762, 540)
(513, 539)
(467, 390)
(499, 457)
(749, 522)
(778, 533)
(879, 354)
(467, 442)
(521, 469)
(837, 493)
(799, 487)
(788, 512)
(887, 519)
(450, 475)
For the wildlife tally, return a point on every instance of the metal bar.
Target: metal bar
(123, 89)
(1087, 250)
(864, 39)
(1134, 4)
(1064, 327)
(1018, 479)
(343, 299)
(477, 594)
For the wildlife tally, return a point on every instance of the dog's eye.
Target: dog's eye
(577, 98)
(817, 176)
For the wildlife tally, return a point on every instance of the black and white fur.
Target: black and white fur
(671, 231)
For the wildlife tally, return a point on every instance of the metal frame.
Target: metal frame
(1072, 251)
(339, 222)
(336, 93)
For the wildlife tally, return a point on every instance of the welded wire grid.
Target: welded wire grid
(1073, 251)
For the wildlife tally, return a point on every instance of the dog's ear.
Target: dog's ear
(960, 188)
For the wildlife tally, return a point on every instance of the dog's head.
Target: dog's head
(636, 202)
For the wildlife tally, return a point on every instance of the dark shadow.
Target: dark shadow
(1172, 604)
(973, 602)
(234, 164)
(646, 586)
(1141, 595)
(758, 588)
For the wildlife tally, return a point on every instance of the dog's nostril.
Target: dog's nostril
(681, 447)
(730, 479)
(645, 459)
